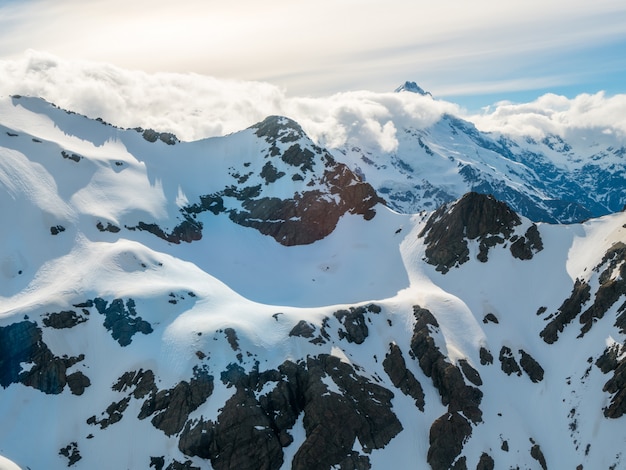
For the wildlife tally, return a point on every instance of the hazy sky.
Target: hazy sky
(472, 53)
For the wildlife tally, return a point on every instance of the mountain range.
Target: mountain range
(259, 301)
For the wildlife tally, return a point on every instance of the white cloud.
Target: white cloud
(195, 106)
(553, 114)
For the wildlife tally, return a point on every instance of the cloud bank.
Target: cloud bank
(195, 106)
(452, 47)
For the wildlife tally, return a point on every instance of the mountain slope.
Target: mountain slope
(549, 179)
(150, 319)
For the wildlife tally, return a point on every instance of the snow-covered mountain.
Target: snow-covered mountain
(250, 301)
(550, 179)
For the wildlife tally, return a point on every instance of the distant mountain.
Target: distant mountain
(412, 87)
(251, 301)
(547, 180)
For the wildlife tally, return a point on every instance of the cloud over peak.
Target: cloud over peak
(195, 106)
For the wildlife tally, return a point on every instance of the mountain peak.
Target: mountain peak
(478, 217)
(412, 87)
(279, 127)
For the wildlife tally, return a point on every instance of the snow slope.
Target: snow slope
(125, 345)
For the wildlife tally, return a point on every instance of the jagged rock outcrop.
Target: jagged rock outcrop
(473, 217)
(339, 406)
(508, 363)
(609, 362)
(152, 136)
(537, 454)
(570, 308)
(532, 368)
(170, 409)
(446, 438)
(446, 377)
(26, 359)
(485, 462)
(353, 320)
(64, 319)
(612, 287)
(526, 246)
(401, 377)
(121, 319)
(449, 432)
(324, 190)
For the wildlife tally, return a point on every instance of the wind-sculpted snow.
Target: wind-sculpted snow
(163, 328)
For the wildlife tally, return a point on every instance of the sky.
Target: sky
(117, 58)
(472, 53)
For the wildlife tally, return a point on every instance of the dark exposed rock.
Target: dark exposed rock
(363, 412)
(449, 432)
(188, 230)
(270, 174)
(63, 319)
(186, 465)
(250, 432)
(474, 217)
(531, 366)
(141, 382)
(311, 215)
(355, 461)
(485, 462)
(157, 462)
(71, 452)
(22, 343)
(567, 311)
(616, 385)
(278, 129)
(78, 382)
(55, 230)
(620, 321)
(446, 377)
(508, 363)
(470, 373)
(525, 247)
(401, 377)
(490, 317)
(115, 412)
(71, 156)
(171, 408)
(485, 356)
(308, 216)
(459, 464)
(608, 362)
(537, 454)
(122, 320)
(152, 136)
(303, 329)
(446, 438)
(353, 321)
(231, 337)
(109, 227)
(612, 286)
